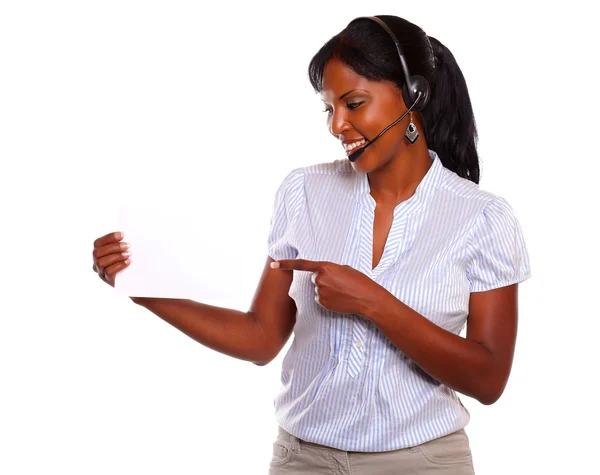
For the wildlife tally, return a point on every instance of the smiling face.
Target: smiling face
(358, 109)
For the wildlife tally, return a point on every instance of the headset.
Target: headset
(412, 84)
(415, 91)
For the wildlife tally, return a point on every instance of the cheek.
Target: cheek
(367, 124)
(374, 121)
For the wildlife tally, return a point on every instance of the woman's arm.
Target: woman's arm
(257, 335)
(478, 365)
(225, 330)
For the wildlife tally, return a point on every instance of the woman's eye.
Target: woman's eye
(351, 106)
(354, 105)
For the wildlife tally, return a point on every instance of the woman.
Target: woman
(394, 251)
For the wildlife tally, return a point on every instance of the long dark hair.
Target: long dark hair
(448, 120)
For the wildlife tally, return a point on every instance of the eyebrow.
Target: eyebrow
(346, 93)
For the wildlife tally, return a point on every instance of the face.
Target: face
(358, 109)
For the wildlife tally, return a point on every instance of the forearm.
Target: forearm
(227, 331)
(461, 364)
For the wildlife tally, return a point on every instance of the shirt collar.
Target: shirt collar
(430, 182)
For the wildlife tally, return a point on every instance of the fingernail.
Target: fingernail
(274, 265)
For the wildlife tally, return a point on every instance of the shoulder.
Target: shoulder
(466, 193)
(464, 189)
(491, 220)
(330, 177)
(320, 179)
(334, 168)
(293, 178)
(291, 187)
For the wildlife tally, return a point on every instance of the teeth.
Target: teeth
(352, 146)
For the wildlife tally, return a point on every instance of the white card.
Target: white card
(179, 253)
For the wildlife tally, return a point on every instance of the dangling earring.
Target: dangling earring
(411, 134)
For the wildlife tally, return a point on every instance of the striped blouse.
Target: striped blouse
(343, 383)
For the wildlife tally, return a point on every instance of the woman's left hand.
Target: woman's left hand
(339, 288)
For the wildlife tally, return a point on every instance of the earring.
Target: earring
(411, 134)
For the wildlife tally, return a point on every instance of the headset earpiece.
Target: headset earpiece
(410, 91)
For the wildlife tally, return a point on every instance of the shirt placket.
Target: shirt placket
(358, 325)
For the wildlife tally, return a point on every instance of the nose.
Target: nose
(338, 123)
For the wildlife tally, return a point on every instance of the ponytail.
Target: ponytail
(450, 128)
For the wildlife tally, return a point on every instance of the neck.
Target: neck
(398, 179)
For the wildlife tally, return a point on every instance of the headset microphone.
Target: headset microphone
(415, 91)
(355, 155)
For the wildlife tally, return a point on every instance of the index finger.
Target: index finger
(109, 238)
(299, 264)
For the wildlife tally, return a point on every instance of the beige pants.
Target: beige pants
(448, 455)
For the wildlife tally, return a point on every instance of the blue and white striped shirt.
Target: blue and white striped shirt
(344, 383)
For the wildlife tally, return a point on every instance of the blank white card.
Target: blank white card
(177, 254)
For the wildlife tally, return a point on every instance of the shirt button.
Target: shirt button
(358, 344)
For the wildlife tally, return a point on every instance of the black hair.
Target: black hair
(448, 120)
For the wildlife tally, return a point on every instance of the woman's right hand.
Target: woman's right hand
(110, 255)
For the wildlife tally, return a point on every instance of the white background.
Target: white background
(101, 99)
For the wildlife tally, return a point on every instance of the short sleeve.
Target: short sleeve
(289, 200)
(498, 252)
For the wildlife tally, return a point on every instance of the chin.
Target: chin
(356, 166)
(361, 165)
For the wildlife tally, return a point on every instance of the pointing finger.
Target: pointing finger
(297, 264)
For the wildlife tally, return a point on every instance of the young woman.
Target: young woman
(376, 263)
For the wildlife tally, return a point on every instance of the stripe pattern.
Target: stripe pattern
(343, 383)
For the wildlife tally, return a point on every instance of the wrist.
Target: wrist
(376, 300)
